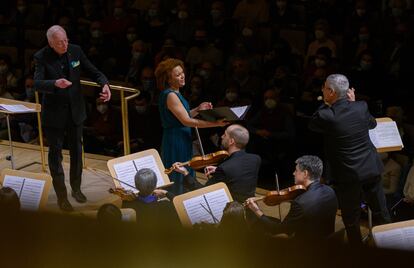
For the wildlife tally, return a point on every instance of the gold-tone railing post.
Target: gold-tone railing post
(39, 126)
(124, 109)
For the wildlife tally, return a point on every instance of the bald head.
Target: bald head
(240, 135)
(57, 38)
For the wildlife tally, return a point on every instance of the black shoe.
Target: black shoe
(79, 196)
(65, 205)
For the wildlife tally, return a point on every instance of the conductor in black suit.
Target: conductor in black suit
(57, 75)
(239, 171)
(312, 214)
(352, 162)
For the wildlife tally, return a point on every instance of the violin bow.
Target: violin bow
(278, 189)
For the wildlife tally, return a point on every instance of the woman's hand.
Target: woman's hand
(177, 167)
(205, 106)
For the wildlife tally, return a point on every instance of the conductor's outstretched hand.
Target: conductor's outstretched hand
(105, 95)
(62, 83)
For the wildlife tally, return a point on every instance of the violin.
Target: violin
(274, 198)
(126, 195)
(199, 162)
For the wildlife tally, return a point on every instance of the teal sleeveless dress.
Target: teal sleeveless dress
(176, 143)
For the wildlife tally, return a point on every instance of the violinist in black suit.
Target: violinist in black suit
(312, 214)
(353, 164)
(57, 75)
(239, 171)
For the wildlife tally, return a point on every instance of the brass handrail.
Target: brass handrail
(124, 109)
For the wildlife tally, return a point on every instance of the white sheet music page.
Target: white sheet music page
(29, 191)
(239, 111)
(198, 210)
(16, 108)
(125, 172)
(385, 134)
(149, 162)
(400, 238)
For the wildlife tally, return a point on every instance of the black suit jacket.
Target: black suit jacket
(311, 215)
(350, 154)
(57, 102)
(239, 172)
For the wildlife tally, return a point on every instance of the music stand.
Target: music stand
(19, 107)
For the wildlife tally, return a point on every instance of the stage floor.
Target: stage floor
(96, 180)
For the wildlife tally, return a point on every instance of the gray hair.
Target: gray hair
(145, 181)
(240, 135)
(53, 30)
(338, 83)
(312, 164)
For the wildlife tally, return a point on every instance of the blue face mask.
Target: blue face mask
(147, 84)
(365, 65)
(29, 92)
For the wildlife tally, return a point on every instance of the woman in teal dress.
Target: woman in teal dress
(177, 119)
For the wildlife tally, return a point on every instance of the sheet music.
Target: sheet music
(239, 111)
(400, 238)
(126, 172)
(195, 207)
(16, 108)
(385, 134)
(29, 191)
(149, 162)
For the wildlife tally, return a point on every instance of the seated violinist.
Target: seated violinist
(239, 171)
(149, 209)
(312, 214)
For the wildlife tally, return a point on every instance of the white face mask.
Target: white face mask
(270, 104)
(96, 33)
(140, 109)
(3, 69)
(102, 108)
(231, 96)
(320, 63)
(247, 32)
(131, 37)
(319, 34)
(182, 15)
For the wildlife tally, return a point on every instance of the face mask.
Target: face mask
(136, 55)
(102, 108)
(363, 38)
(270, 104)
(195, 90)
(247, 32)
(3, 69)
(118, 12)
(96, 33)
(147, 84)
(397, 12)
(215, 14)
(281, 4)
(152, 12)
(320, 63)
(131, 37)
(182, 15)
(360, 12)
(21, 9)
(231, 96)
(204, 74)
(29, 92)
(365, 65)
(140, 108)
(319, 34)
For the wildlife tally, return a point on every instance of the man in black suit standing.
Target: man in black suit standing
(353, 164)
(57, 76)
(239, 171)
(312, 214)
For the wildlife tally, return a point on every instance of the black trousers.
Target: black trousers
(350, 196)
(55, 138)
